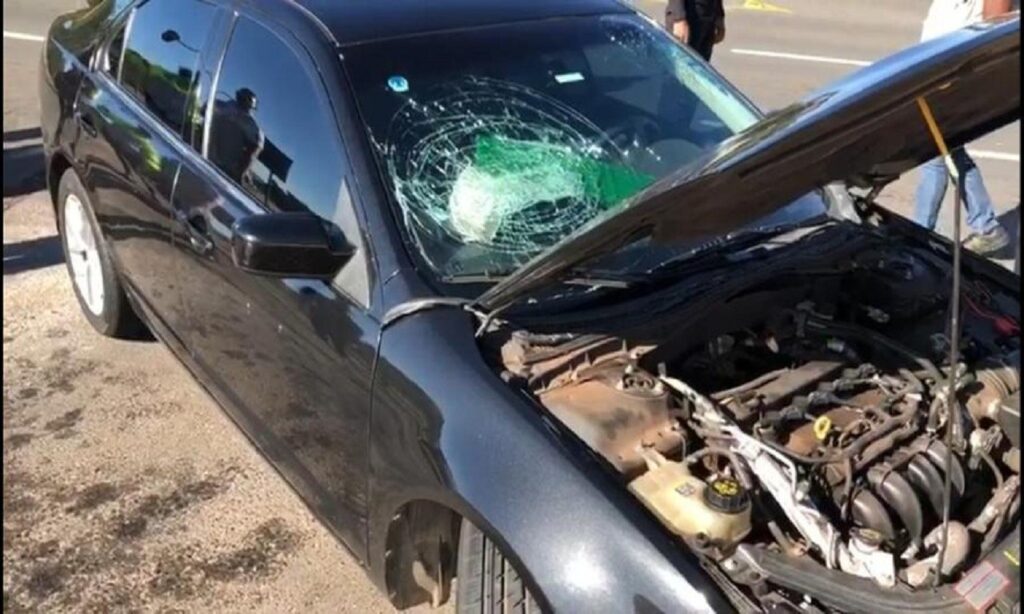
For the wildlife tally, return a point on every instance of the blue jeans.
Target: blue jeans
(934, 179)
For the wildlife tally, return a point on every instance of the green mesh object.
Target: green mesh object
(521, 195)
(601, 182)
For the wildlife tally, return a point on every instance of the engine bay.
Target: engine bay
(806, 421)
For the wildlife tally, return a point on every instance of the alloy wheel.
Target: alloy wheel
(86, 266)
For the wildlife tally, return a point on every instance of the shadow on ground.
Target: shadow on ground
(32, 254)
(24, 165)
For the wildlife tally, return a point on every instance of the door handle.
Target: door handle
(86, 122)
(195, 229)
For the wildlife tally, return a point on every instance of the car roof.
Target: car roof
(356, 21)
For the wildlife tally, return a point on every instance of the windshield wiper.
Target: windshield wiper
(593, 282)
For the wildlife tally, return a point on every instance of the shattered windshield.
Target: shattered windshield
(499, 142)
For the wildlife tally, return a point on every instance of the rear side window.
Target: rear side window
(162, 55)
(272, 131)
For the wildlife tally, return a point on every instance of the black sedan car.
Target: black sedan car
(525, 295)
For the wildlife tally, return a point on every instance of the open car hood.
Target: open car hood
(865, 128)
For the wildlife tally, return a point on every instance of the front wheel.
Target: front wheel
(487, 581)
(93, 277)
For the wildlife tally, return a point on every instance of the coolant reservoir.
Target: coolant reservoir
(715, 513)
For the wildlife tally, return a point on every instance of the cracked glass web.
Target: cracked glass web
(500, 165)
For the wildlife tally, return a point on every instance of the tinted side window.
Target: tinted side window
(272, 132)
(162, 54)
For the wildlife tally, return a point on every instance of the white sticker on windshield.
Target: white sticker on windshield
(569, 77)
(398, 84)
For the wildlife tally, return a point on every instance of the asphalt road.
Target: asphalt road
(125, 488)
(790, 48)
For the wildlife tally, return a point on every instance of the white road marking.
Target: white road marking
(981, 154)
(21, 36)
(801, 57)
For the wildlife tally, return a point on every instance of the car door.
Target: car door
(290, 358)
(130, 112)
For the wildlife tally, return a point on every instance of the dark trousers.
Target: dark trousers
(701, 16)
(702, 38)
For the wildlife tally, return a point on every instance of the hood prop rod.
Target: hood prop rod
(952, 414)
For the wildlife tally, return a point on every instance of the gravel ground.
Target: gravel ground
(125, 487)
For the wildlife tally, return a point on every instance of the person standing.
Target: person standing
(987, 236)
(239, 137)
(697, 23)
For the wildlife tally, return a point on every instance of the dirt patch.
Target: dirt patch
(65, 373)
(93, 496)
(67, 421)
(261, 553)
(56, 333)
(18, 498)
(156, 507)
(16, 440)
(51, 561)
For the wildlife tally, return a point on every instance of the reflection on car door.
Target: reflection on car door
(290, 358)
(130, 112)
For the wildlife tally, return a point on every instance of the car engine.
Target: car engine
(802, 426)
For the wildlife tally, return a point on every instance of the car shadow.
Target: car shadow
(32, 254)
(44, 252)
(24, 163)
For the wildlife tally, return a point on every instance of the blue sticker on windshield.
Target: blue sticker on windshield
(398, 84)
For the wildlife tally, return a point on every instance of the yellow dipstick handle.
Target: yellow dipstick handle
(822, 426)
(940, 142)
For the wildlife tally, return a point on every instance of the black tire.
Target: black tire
(486, 581)
(117, 318)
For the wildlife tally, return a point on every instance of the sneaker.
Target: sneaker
(988, 243)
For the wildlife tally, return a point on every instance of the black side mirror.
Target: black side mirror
(289, 245)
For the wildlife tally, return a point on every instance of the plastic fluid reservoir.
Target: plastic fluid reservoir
(714, 512)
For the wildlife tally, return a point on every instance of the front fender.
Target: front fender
(447, 429)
